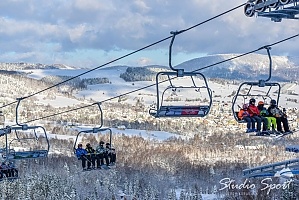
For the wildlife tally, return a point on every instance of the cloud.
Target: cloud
(36, 30)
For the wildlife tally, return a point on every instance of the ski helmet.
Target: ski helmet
(260, 103)
(252, 101)
(273, 102)
(245, 106)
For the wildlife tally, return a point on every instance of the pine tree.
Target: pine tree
(289, 193)
(171, 195)
(182, 195)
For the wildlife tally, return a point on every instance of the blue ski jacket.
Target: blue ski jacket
(80, 152)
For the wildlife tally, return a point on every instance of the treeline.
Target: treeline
(74, 82)
(138, 74)
(94, 81)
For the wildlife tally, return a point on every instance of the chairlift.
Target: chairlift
(269, 89)
(176, 109)
(12, 154)
(94, 130)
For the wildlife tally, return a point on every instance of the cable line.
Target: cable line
(148, 86)
(126, 55)
(250, 52)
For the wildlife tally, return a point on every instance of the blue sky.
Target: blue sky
(89, 33)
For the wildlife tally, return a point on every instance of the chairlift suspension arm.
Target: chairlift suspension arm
(180, 72)
(101, 113)
(17, 108)
(268, 48)
(174, 33)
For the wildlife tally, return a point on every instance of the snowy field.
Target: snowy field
(102, 92)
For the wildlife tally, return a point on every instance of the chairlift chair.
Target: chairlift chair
(12, 154)
(94, 130)
(270, 88)
(174, 110)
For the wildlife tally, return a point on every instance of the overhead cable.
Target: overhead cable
(148, 86)
(126, 55)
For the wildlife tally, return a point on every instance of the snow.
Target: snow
(209, 196)
(150, 135)
(102, 92)
(59, 101)
(286, 172)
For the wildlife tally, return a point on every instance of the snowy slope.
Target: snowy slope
(117, 86)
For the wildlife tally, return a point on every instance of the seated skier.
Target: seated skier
(255, 115)
(81, 155)
(281, 117)
(101, 155)
(271, 121)
(243, 114)
(90, 157)
(111, 154)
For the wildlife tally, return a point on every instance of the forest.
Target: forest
(213, 151)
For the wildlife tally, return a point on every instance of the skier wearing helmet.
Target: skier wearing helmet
(81, 155)
(254, 114)
(274, 111)
(271, 121)
(90, 157)
(243, 114)
(260, 107)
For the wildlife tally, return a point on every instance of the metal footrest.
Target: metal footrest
(181, 111)
(293, 148)
(28, 154)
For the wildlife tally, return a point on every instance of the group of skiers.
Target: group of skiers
(8, 170)
(271, 117)
(94, 158)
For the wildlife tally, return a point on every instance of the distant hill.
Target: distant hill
(250, 67)
(28, 66)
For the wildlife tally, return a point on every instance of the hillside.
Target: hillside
(249, 67)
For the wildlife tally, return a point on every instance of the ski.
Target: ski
(287, 133)
(105, 167)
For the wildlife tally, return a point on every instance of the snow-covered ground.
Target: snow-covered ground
(102, 92)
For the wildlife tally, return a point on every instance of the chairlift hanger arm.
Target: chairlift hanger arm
(101, 113)
(180, 72)
(268, 48)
